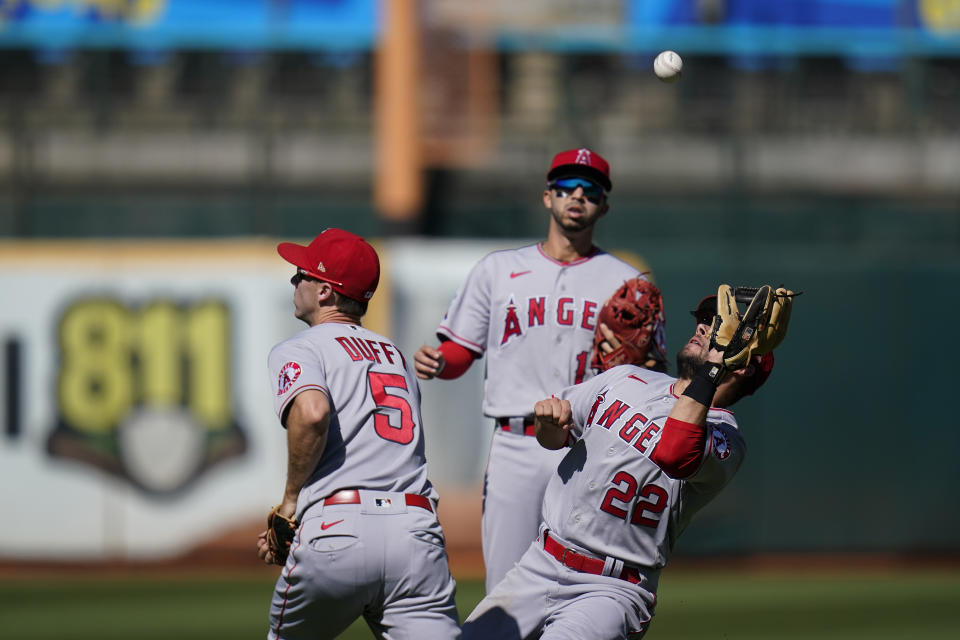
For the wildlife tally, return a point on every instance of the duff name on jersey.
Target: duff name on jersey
(372, 350)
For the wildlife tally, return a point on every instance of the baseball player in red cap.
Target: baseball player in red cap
(367, 538)
(533, 312)
(646, 452)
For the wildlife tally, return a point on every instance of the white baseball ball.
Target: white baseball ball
(668, 66)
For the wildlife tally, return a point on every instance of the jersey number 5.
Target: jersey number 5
(646, 512)
(379, 383)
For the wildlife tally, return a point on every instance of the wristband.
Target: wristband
(704, 383)
(715, 372)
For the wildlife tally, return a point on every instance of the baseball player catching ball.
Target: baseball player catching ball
(356, 530)
(647, 451)
(533, 312)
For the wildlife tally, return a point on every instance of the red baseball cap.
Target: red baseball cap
(339, 257)
(583, 163)
(763, 365)
(707, 307)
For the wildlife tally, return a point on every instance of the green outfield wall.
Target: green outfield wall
(851, 442)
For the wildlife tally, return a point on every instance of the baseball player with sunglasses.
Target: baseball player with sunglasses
(356, 530)
(532, 312)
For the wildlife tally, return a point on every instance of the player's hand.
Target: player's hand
(715, 356)
(554, 413)
(263, 548)
(288, 507)
(428, 362)
(610, 341)
(553, 419)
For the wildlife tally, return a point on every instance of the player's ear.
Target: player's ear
(325, 293)
(547, 200)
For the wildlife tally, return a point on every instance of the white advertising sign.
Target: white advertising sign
(135, 408)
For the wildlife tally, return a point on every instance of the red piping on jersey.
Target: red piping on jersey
(638, 379)
(593, 251)
(286, 592)
(461, 338)
(680, 448)
(457, 359)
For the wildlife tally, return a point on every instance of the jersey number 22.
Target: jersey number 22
(646, 512)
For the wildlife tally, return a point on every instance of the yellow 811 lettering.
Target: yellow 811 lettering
(161, 356)
(158, 347)
(96, 381)
(207, 349)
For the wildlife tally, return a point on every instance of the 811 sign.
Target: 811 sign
(144, 392)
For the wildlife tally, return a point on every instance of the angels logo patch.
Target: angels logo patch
(721, 448)
(288, 375)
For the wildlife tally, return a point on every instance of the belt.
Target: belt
(352, 496)
(517, 425)
(585, 564)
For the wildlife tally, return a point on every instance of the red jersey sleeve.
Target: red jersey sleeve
(680, 448)
(457, 358)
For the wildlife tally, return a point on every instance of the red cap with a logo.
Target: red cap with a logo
(582, 163)
(339, 257)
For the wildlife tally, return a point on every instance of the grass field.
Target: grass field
(920, 605)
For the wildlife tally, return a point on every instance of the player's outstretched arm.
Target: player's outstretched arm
(553, 419)
(428, 362)
(689, 408)
(684, 434)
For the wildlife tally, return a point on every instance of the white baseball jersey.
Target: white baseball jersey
(534, 319)
(610, 502)
(607, 495)
(375, 438)
(382, 556)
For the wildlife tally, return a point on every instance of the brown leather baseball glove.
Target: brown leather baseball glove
(280, 533)
(633, 313)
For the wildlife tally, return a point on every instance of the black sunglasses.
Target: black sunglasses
(703, 317)
(302, 275)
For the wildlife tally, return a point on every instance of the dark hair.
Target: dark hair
(349, 306)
